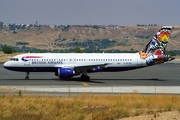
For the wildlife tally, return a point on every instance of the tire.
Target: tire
(86, 78)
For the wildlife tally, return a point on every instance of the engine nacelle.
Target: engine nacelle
(65, 73)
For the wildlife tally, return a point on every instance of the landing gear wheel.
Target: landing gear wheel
(27, 76)
(87, 78)
(84, 77)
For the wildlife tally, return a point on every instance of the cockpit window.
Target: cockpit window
(14, 59)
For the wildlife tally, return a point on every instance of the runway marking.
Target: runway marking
(167, 90)
(85, 84)
(154, 87)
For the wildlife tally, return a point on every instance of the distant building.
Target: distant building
(52, 26)
(36, 23)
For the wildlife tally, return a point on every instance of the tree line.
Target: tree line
(22, 43)
(24, 49)
(11, 49)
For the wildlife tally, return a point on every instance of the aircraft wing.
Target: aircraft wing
(84, 66)
(90, 66)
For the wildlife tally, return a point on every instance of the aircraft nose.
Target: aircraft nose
(6, 64)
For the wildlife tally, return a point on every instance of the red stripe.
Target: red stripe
(32, 57)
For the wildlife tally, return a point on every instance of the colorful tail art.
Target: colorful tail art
(154, 52)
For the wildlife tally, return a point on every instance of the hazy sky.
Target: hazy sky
(101, 12)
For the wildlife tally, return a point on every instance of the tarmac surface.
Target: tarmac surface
(162, 78)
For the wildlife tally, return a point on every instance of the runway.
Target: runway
(154, 79)
(158, 75)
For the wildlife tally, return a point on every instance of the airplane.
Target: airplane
(67, 65)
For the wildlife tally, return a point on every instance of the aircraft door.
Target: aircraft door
(26, 60)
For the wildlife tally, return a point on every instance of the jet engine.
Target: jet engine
(65, 73)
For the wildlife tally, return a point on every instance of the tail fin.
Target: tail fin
(158, 43)
(155, 49)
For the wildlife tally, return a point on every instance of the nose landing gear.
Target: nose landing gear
(27, 76)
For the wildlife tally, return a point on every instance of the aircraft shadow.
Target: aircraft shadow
(79, 79)
(151, 79)
(56, 79)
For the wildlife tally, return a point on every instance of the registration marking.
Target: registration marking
(85, 84)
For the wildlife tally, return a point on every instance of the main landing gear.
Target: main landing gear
(85, 77)
(27, 76)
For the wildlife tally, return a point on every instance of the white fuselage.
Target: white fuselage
(49, 62)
